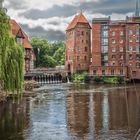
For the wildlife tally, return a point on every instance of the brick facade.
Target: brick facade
(115, 47)
(96, 50)
(77, 54)
(123, 55)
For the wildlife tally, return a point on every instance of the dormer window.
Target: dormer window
(19, 40)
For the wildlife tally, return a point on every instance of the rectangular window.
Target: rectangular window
(130, 40)
(113, 33)
(121, 41)
(134, 73)
(113, 57)
(104, 49)
(121, 49)
(130, 32)
(85, 58)
(94, 72)
(137, 31)
(130, 64)
(137, 49)
(79, 49)
(105, 34)
(137, 56)
(105, 27)
(121, 33)
(78, 58)
(138, 65)
(113, 49)
(19, 40)
(85, 49)
(130, 56)
(130, 48)
(137, 39)
(79, 66)
(113, 41)
(121, 57)
(121, 72)
(70, 58)
(112, 72)
(105, 57)
(103, 72)
(104, 41)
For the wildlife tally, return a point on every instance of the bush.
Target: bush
(108, 80)
(98, 79)
(80, 77)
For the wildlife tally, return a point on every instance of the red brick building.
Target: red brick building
(78, 42)
(115, 47)
(22, 39)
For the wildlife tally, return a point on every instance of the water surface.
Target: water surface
(73, 112)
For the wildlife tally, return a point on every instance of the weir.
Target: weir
(48, 79)
(50, 76)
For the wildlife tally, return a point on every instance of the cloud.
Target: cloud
(50, 18)
(40, 32)
(16, 4)
(42, 4)
(59, 11)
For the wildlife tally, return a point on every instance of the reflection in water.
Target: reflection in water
(14, 118)
(77, 109)
(67, 112)
(116, 114)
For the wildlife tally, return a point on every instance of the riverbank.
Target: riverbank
(27, 92)
(85, 78)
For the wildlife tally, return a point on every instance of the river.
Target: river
(73, 112)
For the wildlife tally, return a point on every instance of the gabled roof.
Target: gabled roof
(15, 28)
(78, 19)
(17, 31)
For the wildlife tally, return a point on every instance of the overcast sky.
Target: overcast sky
(49, 18)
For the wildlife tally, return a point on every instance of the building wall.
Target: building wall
(117, 45)
(28, 60)
(108, 71)
(78, 48)
(115, 48)
(69, 52)
(133, 45)
(96, 41)
(123, 49)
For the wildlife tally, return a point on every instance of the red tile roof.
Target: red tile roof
(78, 19)
(17, 31)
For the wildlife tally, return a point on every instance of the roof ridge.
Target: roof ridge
(77, 19)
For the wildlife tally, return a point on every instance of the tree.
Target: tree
(59, 55)
(48, 61)
(11, 58)
(48, 54)
(41, 48)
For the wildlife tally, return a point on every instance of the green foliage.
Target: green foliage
(59, 55)
(79, 77)
(47, 61)
(11, 58)
(47, 54)
(108, 80)
(98, 79)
